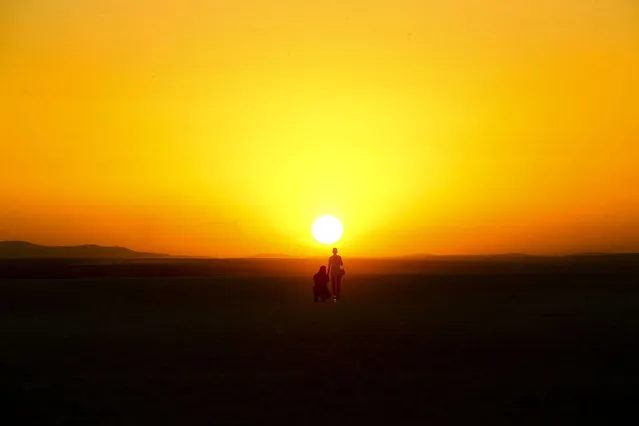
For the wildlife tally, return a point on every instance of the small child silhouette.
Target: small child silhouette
(320, 287)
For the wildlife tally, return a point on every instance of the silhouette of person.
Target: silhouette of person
(335, 271)
(320, 287)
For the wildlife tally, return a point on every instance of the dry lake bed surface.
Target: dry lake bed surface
(240, 342)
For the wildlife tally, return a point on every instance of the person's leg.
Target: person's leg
(314, 294)
(338, 285)
(334, 285)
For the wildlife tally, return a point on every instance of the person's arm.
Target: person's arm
(328, 270)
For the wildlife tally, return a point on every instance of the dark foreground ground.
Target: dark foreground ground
(506, 347)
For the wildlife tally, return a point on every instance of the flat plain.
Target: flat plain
(239, 342)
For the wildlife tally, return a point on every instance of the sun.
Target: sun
(327, 229)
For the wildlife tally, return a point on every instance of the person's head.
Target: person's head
(334, 250)
(322, 270)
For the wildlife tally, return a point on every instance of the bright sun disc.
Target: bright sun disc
(327, 229)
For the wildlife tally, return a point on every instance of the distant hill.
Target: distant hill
(26, 250)
(468, 257)
(270, 256)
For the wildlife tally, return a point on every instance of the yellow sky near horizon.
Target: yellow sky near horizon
(224, 128)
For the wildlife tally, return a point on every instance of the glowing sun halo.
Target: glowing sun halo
(327, 229)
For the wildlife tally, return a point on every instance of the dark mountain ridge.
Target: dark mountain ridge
(26, 250)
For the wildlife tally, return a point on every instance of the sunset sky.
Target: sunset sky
(224, 128)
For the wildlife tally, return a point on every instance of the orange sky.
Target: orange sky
(225, 128)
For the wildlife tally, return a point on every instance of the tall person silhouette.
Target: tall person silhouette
(335, 271)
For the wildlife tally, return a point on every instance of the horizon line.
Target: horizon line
(283, 256)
